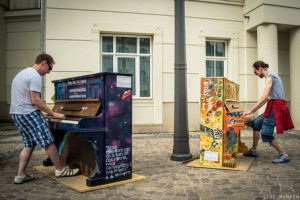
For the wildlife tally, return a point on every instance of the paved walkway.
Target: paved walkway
(165, 179)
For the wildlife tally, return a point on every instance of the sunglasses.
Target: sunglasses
(50, 68)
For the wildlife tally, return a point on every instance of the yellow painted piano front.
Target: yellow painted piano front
(221, 119)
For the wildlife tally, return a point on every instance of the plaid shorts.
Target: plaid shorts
(34, 129)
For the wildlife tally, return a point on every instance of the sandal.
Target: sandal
(19, 180)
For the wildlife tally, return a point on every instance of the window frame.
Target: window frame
(217, 58)
(130, 55)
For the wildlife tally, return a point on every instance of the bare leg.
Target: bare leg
(256, 135)
(25, 156)
(52, 152)
(276, 146)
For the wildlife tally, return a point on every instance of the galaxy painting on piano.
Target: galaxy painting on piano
(110, 131)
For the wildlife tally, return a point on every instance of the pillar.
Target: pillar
(267, 51)
(295, 76)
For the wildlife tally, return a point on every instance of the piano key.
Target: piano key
(64, 121)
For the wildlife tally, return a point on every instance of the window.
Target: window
(216, 58)
(130, 55)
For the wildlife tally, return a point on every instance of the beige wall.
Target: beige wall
(72, 37)
(284, 62)
(76, 48)
(23, 4)
(284, 15)
(3, 94)
(23, 42)
(201, 24)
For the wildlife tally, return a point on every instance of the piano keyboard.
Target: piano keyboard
(64, 121)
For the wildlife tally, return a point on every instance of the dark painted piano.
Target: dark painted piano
(96, 135)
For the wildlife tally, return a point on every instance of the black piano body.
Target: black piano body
(96, 135)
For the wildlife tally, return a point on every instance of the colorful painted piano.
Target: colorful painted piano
(221, 120)
(96, 135)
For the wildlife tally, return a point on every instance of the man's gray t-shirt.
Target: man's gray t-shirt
(276, 91)
(25, 81)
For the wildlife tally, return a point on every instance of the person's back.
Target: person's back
(276, 91)
(25, 81)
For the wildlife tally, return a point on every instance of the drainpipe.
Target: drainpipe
(42, 5)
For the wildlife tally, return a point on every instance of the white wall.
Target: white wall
(72, 37)
(22, 45)
(73, 31)
(204, 21)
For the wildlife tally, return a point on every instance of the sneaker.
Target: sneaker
(22, 179)
(282, 158)
(251, 153)
(66, 172)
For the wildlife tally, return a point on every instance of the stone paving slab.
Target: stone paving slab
(166, 179)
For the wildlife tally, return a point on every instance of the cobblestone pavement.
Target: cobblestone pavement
(166, 179)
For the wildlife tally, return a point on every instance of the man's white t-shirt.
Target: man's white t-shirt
(25, 81)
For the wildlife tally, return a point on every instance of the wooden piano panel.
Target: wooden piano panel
(78, 153)
(76, 109)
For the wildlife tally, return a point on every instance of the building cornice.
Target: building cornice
(230, 2)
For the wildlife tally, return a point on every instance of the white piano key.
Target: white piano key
(64, 121)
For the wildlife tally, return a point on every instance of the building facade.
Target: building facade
(223, 38)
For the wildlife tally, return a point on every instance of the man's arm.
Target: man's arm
(37, 101)
(263, 99)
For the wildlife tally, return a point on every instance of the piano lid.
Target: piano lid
(76, 109)
(233, 106)
(88, 76)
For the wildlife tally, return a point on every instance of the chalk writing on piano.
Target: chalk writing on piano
(77, 92)
(76, 82)
(114, 157)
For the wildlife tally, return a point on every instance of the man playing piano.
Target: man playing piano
(276, 113)
(26, 106)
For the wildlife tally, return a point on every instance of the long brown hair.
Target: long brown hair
(259, 63)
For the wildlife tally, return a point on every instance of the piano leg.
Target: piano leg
(242, 147)
(97, 178)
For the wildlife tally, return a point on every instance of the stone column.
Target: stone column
(294, 75)
(267, 51)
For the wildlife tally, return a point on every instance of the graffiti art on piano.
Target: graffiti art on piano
(218, 131)
(232, 125)
(211, 118)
